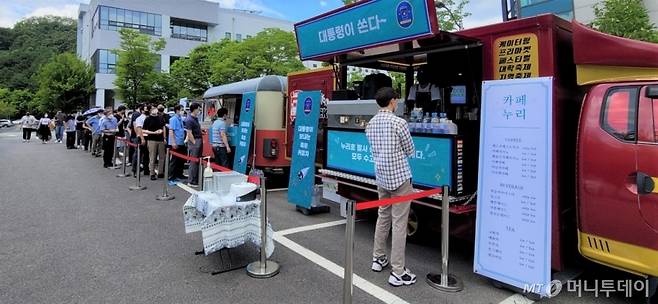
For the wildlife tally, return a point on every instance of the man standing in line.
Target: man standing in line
(154, 126)
(391, 145)
(141, 140)
(177, 142)
(219, 142)
(94, 125)
(122, 122)
(27, 121)
(193, 140)
(109, 129)
(59, 126)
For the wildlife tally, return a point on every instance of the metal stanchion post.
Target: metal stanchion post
(165, 188)
(349, 253)
(445, 281)
(138, 182)
(200, 181)
(125, 159)
(263, 268)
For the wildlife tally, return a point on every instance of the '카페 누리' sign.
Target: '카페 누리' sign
(514, 198)
(365, 24)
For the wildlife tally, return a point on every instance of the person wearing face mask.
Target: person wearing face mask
(193, 140)
(424, 95)
(44, 129)
(154, 126)
(109, 129)
(94, 125)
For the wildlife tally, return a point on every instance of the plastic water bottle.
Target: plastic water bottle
(412, 122)
(435, 123)
(452, 127)
(427, 123)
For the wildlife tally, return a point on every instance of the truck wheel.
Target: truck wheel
(417, 226)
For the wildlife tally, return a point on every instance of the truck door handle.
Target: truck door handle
(645, 183)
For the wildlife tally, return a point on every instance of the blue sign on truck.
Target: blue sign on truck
(365, 24)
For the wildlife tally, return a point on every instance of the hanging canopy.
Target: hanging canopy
(267, 83)
(602, 58)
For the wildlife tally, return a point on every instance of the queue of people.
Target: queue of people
(102, 131)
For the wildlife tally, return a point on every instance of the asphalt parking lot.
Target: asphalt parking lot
(72, 232)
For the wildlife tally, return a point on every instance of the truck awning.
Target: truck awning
(399, 56)
(266, 83)
(601, 57)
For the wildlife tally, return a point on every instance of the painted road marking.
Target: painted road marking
(186, 187)
(279, 236)
(372, 289)
(311, 227)
(517, 299)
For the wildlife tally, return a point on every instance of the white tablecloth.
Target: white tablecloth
(224, 223)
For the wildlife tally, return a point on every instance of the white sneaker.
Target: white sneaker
(378, 264)
(407, 278)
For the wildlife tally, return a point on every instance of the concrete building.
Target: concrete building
(584, 10)
(184, 24)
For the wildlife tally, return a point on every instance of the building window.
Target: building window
(104, 62)
(183, 29)
(619, 113)
(173, 59)
(112, 19)
(525, 3)
(238, 37)
(227, 35)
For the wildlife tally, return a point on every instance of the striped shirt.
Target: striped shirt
(391, 146)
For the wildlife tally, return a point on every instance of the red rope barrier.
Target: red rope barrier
(192, 159)
(131, 144)
(396, 200)
(219, 168)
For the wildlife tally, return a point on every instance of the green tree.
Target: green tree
(447, 21)
(65, 84)
(164, 90)
(136, 75)
(270, 52)
(193, 73)
(7, 110)
(30, 44)
(624, 18)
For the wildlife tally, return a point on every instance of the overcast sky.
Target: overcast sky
(11, 11)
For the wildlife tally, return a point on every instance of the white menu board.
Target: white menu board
(513, 224)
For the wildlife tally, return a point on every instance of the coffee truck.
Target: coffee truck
(603, 200)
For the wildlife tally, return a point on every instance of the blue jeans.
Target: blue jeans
(59, 132)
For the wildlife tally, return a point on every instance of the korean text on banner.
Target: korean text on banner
(244, 132)
(302, 171)
(513, 222)
(365, 24)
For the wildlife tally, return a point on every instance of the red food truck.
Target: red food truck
(604, 198)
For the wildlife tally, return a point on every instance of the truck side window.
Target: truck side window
(619, 113)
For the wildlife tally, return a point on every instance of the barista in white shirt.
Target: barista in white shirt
(424, 95)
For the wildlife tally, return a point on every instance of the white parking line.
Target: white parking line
(310, 227)
(279, 236)
(517, 299)
(374, 290)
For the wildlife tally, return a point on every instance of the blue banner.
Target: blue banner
(244, 132)
(366, 24)
(431, 166)
(302, 169)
